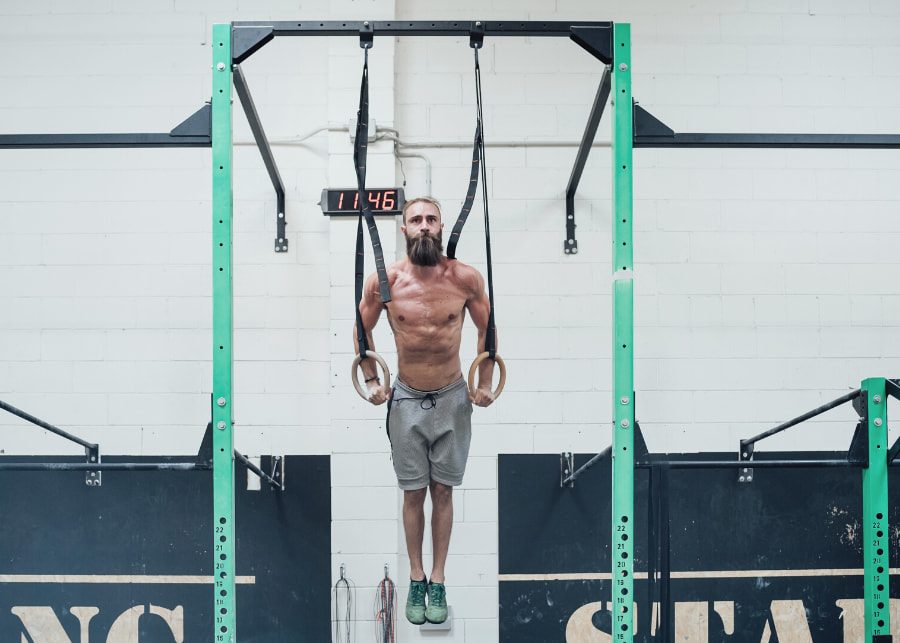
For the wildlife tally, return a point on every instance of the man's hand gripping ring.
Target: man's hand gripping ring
(363, 393)
(499, 361)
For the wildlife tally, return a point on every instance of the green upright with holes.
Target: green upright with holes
(876, 585)
(223, 325)
(622, 550)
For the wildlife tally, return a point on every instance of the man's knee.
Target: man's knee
(440, 492)
(415, 498)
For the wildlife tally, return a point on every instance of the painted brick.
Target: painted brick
(366, 503)
(494, 438)
(360, 436)
(284, 409)
(162, 409)
(363, 536)
(474, 538)
(481, 473)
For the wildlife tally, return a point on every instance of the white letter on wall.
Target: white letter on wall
(42, 625)
(789, 621)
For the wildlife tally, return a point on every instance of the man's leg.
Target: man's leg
(441, 525)
(414, 526)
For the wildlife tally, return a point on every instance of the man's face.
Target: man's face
(424, 233)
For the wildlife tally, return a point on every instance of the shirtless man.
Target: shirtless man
(429, 408)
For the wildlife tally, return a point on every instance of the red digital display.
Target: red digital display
(345, 201)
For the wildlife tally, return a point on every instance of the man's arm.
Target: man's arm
(479, 307)
(369, 311)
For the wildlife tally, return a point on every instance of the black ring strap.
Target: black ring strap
(478, 167)
(360, 150)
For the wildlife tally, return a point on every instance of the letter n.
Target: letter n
(42, 626)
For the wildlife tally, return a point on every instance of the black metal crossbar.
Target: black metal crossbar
(421, 27)
(587, 465)
(776, 140)
(46, 425)
(570, 245)
(259, 472)
(738, 464)
(62, 141)
(265, 150)
(194, 131)
(801, 418)
(105, 466)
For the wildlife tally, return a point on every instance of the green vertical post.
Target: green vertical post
(875, 514)
(622, 549)
(223, 326)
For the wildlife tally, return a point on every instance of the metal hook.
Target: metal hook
(476, 35)
(386, 571)
(342, 571)
(366, 36)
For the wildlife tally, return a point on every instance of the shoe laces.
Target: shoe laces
(436, 593)
(417, 591)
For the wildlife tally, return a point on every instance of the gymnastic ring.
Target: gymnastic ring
(499, 361)
(384, 367)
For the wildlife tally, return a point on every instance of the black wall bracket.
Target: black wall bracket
(645, 124)
(366, 35)
(858, 453)
(265, 150)
(246, 41)
(93, 478)
(570, 244)
(197, 124)
(566, 469)
(275, 484)
(597, 41)
(476, 35)
(277, 469)
(745, 454)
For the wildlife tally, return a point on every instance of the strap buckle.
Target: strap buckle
(476, 35)
(366, 35)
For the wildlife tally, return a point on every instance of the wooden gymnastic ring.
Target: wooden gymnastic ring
(363, 393)
(499, 361)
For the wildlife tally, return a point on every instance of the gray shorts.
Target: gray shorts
(430, 432)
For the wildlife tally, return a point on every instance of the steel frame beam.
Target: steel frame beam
(570, 245)
(248, 37)
(265, 150)
(192, 132)
(649, 131)
(262, 475)
(780, 141)
(224, 616)
(801, 418)
(9, 408)
(558, 29)
(875, 515)
(105, 466)
(622, 549)
(63, 141)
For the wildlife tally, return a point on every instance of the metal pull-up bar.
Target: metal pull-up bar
(28, 417)
(192, 132)
(802, 418)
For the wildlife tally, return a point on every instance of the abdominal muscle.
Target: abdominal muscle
(431, 364)
(427, 324)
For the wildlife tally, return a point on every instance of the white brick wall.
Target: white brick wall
(766, 280)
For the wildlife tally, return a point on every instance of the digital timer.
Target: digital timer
(345, 201)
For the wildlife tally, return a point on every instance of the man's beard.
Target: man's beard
(426, 249)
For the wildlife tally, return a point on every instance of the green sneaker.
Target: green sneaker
(415, 601)
(437, 603)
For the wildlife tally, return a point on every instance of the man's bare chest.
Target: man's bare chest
(422, 306)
